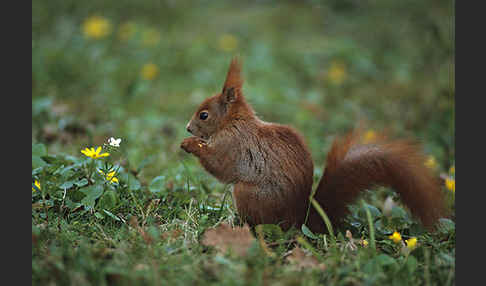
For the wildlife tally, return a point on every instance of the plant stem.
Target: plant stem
(324, 217)
(370, 224)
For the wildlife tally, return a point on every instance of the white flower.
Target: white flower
(114, 142)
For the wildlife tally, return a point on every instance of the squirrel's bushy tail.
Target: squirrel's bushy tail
(353, 166)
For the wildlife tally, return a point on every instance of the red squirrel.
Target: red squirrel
(271, 167)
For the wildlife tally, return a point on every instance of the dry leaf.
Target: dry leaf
(40, 206)
(224, 237)
(141, 267)
(350, 244)
(134, 223)
(59, 109)
(175, 233)
(301, 260)
(169, 185)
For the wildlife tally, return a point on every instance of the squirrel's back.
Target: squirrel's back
(274, 172)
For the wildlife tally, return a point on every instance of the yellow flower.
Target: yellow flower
(149, 71)
(369, 136)
(126, 31)
(227, 43)
(452, 170)
(150, 37)
(364, 242)
(396, 237)
(110, 177)
(431, 162)
(90, 152)
(96, 27)
(37, 184)
(337, 73)
(450, 184)
(411, 243)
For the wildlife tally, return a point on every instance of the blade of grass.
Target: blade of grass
(311, 197)
(263, 245)
(135, 200)
(188, 176)
(426, 267)
(370, 224)
(224, 201)
(324, 217)
(302, 241)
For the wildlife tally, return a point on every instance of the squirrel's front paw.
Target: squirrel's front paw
(192, 144)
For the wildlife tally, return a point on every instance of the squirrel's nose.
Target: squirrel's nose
(188, 128)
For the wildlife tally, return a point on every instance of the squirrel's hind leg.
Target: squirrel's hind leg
(254, 207)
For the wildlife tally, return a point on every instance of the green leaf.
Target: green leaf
(108, 200)
(373, 211)
(133, 183)
(307, 232)
(112, 215)
(446, 225)
(130, 180)
(71, 205)
(398, 212)
(39, 149)
(67, 185)
(372, 267)
(37, 162)
(99, 215)
(157, 184)
(50, 159)
(36, 171)
(446, 259)
(382, 227)
(145, 162)
(81, 183)
(67, 171)
(92, 193)
(384, 259)
(411, 264)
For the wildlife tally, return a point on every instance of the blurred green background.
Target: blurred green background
(137, 70)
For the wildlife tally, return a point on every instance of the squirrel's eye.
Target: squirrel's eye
(203, 115)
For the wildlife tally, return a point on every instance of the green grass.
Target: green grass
(320, 67)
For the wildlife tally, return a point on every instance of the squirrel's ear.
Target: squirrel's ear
(233, 83)
(229, 95)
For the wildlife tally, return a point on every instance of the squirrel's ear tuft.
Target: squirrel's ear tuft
(232, 85)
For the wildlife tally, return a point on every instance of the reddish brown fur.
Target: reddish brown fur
(271, 167)
(233, 78)
(353, 167)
